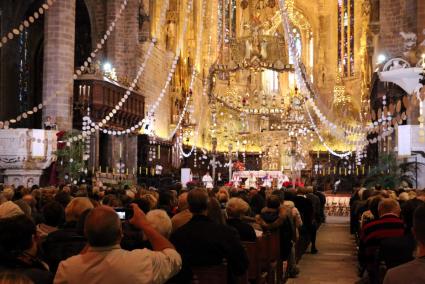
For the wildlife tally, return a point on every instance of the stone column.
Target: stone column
(59, 41)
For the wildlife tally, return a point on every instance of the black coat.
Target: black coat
(201, 242)
(246, 231)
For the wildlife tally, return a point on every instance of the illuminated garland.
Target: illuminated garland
(26, 23)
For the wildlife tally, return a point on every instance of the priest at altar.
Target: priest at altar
(207, 180)
(251, 181)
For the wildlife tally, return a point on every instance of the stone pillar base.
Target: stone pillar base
(23, 177)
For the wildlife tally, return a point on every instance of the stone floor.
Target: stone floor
(335, 262)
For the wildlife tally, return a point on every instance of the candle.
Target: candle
(363, 169)
(92, 169)
(146, 170)
(120, 150)
(357, 170)
(159, 152)
(79, 90)
(100, 168)
(107, 170)
(140, 170)
(126, 171)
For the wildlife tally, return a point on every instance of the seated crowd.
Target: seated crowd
(73, 234)
(390, 231)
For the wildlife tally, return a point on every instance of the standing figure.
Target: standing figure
(207, 180)
(251, 181)
(267, 181)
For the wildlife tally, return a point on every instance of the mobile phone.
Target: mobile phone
(124, 213)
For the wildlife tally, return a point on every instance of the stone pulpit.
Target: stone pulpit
(25, 153)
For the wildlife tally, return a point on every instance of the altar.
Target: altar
(257, 174)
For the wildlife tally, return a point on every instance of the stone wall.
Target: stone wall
(397, 16)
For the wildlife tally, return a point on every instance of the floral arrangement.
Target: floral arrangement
(238, 166)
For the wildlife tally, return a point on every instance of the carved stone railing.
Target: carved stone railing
(25, 153)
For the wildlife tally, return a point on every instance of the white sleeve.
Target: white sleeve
(165, 264)
(60, 274)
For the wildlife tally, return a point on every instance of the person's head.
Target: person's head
(10, 209)
(63, 198)
(373, 205)
(76, 207)
(160, 221)
(388, 206)
(214, 211)
(198, 201)
(102, 227)
(403, 197)
(273, 201)
(182, 201)
(419, 224)
(223, 196)
(24, 207)
(13, 277)
(8, 193)
(17, 236)
(53, 214)
(236, 207)
(308, 189)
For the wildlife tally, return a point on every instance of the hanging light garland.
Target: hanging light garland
(98, 126)
(305, 79)
(316, 130)
(26, 23)
(6, 124)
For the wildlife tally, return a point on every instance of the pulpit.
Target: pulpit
(25, 153)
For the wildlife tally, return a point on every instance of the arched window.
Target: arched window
(346, 36)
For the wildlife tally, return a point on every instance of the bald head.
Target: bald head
(102, 227)
(388, 206)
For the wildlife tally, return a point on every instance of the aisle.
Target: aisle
(335, 262)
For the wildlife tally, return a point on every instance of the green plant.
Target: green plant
(70, 163)
(389, 173)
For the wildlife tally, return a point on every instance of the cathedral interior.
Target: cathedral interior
(292, 86)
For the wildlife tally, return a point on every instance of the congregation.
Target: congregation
(84, 234)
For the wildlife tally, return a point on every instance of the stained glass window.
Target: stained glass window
(346, 37)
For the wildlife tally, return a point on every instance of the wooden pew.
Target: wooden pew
(255, 273)
(216, 274)
(275, 261)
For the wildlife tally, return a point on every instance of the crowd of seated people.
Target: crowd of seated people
(83, 234)
(389, 226)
